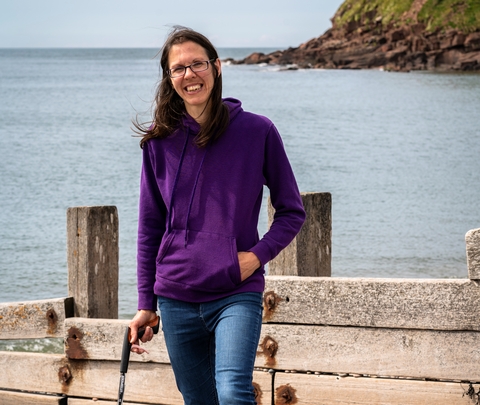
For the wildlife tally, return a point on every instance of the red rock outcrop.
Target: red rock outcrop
(368, 44)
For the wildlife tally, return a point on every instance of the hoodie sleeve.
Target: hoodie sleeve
(285, 197)
(151, 227)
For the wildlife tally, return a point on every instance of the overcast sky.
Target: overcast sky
(145, 23)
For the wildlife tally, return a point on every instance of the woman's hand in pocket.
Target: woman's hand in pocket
(248, 264)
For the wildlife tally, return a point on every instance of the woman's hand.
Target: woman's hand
(248, 264)
(142, 317)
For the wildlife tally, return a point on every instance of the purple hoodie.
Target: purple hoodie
(200, 206)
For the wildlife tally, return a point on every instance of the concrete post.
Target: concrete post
(310, 253)
(92, 256)
(472, 239)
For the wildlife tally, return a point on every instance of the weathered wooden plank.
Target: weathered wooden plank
(309, 254)
(387, 303)
(34, 319)
(303, 389)
(102, 339)
(39, 372)
(312, 348)
(92, 258)
(261, 380)
(35, 372)
(379, 352)
(24, 398)
(51, 373)
(145, 382)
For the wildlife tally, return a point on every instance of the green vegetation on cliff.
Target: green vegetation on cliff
(463, 15)
(368, 10)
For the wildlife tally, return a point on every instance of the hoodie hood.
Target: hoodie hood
(234, 108)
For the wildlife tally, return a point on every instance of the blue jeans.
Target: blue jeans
(212, 347)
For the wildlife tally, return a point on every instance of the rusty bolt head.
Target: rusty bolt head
(73, 344)
(270, 301)
(64, 374)
(286, 395)
(52, 319)
(269, 346)
(51, 316)
(257, 390)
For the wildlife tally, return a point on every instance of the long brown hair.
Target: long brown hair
(168, 105)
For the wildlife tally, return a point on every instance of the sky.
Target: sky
(146, 23)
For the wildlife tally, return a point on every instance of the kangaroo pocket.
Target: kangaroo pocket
(207, 262)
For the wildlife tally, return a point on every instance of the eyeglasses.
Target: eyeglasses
(194, 67)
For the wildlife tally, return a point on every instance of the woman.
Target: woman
(200, 259)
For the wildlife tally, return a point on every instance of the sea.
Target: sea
(399, 152)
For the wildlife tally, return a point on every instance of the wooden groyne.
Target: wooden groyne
(325, 340)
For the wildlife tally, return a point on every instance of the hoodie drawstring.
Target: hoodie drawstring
(177, 175)
(193, 195)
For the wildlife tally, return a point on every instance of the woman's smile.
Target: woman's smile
(193, 88)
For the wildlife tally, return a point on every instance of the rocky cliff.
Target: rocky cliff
(398, 35)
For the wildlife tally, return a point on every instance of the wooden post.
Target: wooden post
(310, 253)
(92, 255)
(472, 239)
